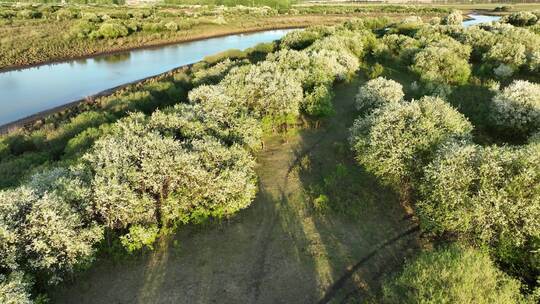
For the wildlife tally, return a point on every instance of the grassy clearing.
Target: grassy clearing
(283, 240)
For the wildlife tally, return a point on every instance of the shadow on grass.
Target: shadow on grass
(364, 230)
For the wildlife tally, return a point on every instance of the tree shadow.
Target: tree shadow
(363, 227)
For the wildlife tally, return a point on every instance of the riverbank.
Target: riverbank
(28, 121)
(212, 33)
(51, 34)
(72, 82)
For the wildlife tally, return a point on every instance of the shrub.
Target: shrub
(153, 27)
(298, 40)
(66, 14)
(172, 26)
(355, 42)
(228, 54)
(213, 74)
(399, 47)
(82, 29)
(53, 233)
(29, 14)
(139, 237)
(265, 90)
(511, 54)
(14, 289)
(490, 194)
(56, 239)
(396, 141)
(180, 178)
(318, 103)
(332, 65)
(12, 170)
(442, 65)
(378, 92)
(454, 18)
(520, 18)
(517, 108)
(83, 141)
(112, 30)
(211, 113)
(452, 275)
(92, 17)
(375, 71)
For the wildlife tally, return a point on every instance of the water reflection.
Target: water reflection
(28, 91)
(113, 58)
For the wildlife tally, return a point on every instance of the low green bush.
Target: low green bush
(452, 275)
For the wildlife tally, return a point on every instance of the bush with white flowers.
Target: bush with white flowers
(454, 18)
(517, 107)
(490, 194)
(395, 141)
(377, 93)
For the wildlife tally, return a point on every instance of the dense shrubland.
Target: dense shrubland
(473, 184)
(146, 160)
(180, 149)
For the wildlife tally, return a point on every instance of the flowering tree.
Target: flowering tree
(378, 92)
(487, 193)
(394, 142)
(517, 107)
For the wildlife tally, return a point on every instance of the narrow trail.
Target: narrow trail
(279, 250)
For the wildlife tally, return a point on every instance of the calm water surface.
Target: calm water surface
(480, 19)
(32, 90)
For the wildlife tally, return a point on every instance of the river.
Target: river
(32, 90)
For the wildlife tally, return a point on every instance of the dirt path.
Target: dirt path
(280, 250)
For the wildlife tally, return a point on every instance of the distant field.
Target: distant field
(461, 6)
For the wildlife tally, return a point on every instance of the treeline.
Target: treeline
(128, 179)
(480, 191)
(119, 2)
(277, 4)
